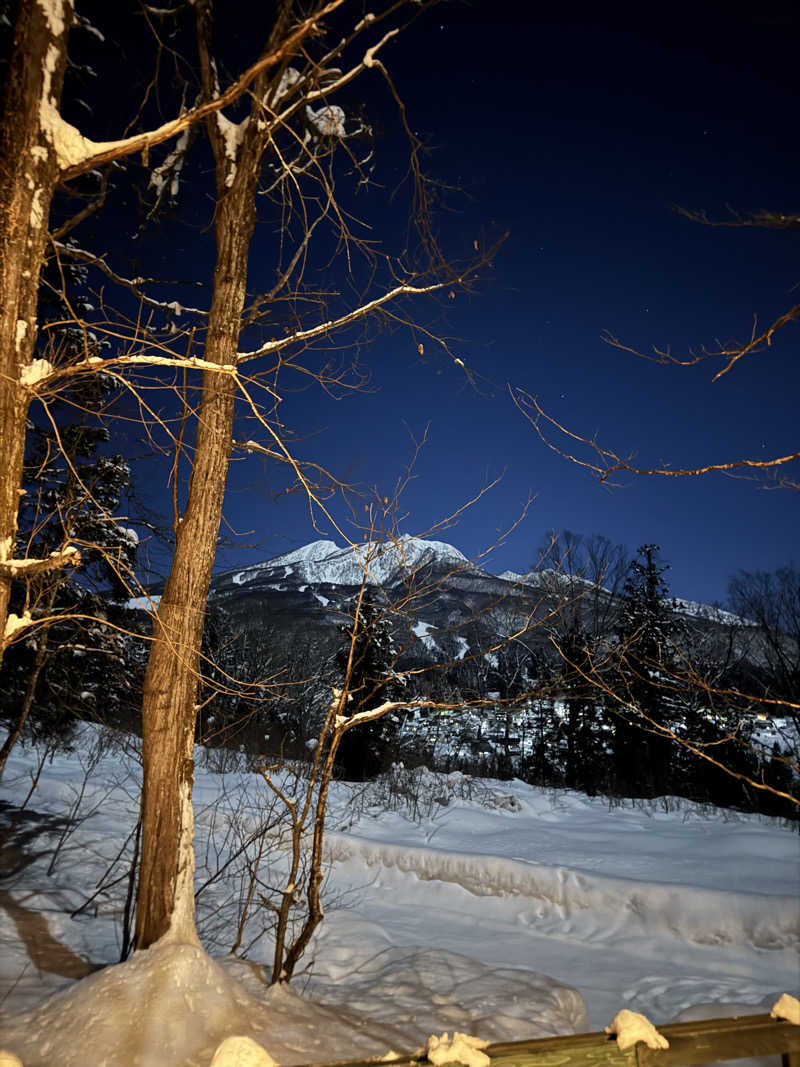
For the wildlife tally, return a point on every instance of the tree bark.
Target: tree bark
(15, 731)
(28, 176)
(165, 900)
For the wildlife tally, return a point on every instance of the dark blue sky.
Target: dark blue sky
(578, 134)
(579, 137)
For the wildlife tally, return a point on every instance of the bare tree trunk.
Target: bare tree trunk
(165, 900)
(30, 692)
(28, 174)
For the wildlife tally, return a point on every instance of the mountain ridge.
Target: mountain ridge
(325, 562)
(317, 582)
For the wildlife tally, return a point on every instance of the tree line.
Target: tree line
(617, 692)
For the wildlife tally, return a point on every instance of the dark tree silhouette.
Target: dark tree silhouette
(366, 750)
(646, 633)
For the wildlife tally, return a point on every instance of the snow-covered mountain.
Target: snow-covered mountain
(709, 611)
(325, 574)
(307, 594)
(547, 577)
(436, 598)
(380, 562)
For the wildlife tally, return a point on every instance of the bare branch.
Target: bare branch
(609, 463)
(85, 155)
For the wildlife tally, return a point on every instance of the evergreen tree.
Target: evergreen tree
(366, 750)
(585, 762)
(646, 632)
(75, 663)
(778, 775)
(727, 738)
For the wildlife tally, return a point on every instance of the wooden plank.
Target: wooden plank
(701, 1041)
(574, 1050)
(711, 1040)
(578, 1050)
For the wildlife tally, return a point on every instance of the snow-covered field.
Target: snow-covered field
(498, 909)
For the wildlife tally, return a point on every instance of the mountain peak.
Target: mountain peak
(324, 561)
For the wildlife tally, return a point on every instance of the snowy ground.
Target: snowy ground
(449, 920)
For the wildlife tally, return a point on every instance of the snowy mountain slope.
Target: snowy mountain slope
(388, 564)
(306, 595)
(449, 605)
(547, 577)
(711, 612)
(325, 562)
(555, 580)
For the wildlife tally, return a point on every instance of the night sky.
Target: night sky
(578, 134)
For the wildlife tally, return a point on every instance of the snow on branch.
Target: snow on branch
(369, 714)
(77, 154)
(368, 61)
(170, 169)
(327, 121)
(37, 373)
(232, 134)
(134, 284)
(14, 623)
(346, 319)
(27, 568)
(38, 370)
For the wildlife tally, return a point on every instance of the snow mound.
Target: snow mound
(160, 1007)
(420, 991)
(699, 915)
(172, 1006)
(241, 1052)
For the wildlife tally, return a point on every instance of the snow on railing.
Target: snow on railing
(673, 1045)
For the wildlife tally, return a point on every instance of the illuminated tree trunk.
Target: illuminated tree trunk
(28, 175)
(165, 900)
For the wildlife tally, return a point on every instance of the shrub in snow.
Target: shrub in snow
(239, 1052)
(421, 794)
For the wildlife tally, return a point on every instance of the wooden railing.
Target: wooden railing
(706, 1041)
